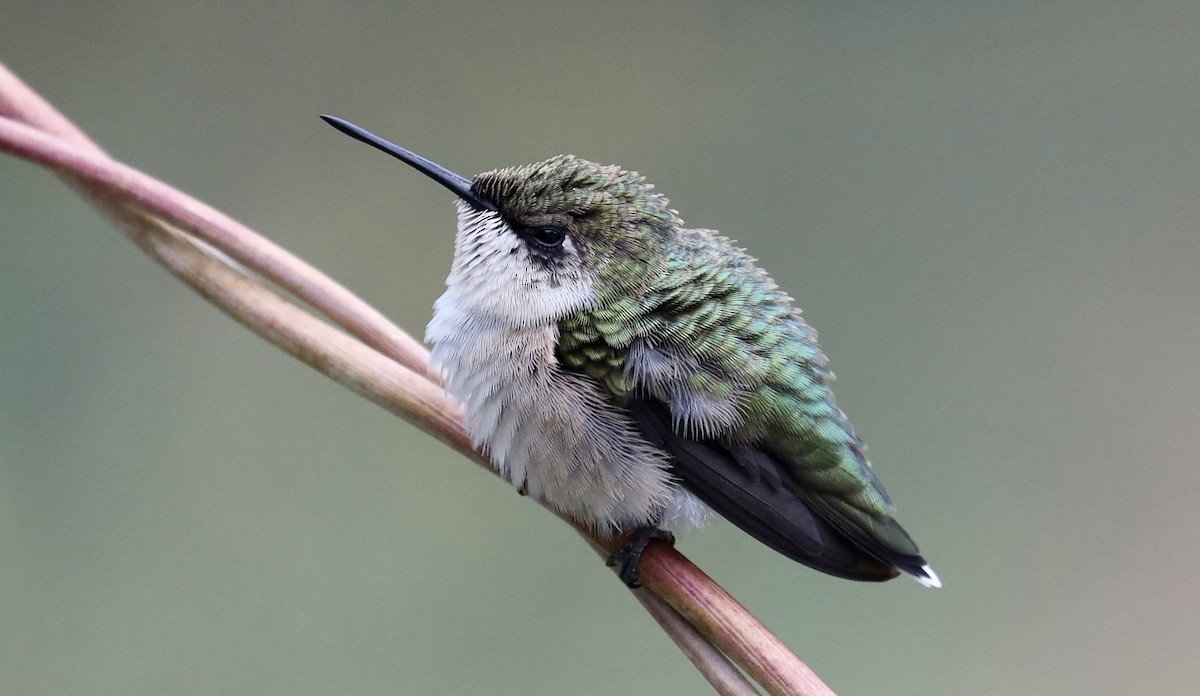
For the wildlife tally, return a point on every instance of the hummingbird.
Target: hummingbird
(643, 376)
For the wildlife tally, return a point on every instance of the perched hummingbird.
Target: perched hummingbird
(639, 375)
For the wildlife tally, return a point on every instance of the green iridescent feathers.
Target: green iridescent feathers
(713, 304)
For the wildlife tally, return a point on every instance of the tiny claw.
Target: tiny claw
(630, 553)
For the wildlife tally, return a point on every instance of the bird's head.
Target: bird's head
(541, 241)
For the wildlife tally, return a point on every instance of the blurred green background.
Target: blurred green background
(989, 212)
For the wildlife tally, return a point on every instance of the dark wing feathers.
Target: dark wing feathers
(889, 529)
(747, 486)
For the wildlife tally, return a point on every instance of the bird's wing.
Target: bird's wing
(748, 487)
(718, 368)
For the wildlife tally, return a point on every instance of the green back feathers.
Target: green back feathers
(711, 302)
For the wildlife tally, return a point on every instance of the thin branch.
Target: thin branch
(379, 365)
(715, 667)
(270, 260)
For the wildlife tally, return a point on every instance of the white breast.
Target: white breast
(550, 432)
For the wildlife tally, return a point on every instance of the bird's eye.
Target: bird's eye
(548, 237)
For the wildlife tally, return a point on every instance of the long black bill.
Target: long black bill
(461, 186)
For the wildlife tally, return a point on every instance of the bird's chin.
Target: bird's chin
(495, 279)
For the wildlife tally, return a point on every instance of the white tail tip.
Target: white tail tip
(930, 578)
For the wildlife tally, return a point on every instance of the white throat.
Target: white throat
(494, 276)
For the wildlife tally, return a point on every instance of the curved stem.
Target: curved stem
(272, 261)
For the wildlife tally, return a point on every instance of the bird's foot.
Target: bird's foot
(630, 553)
